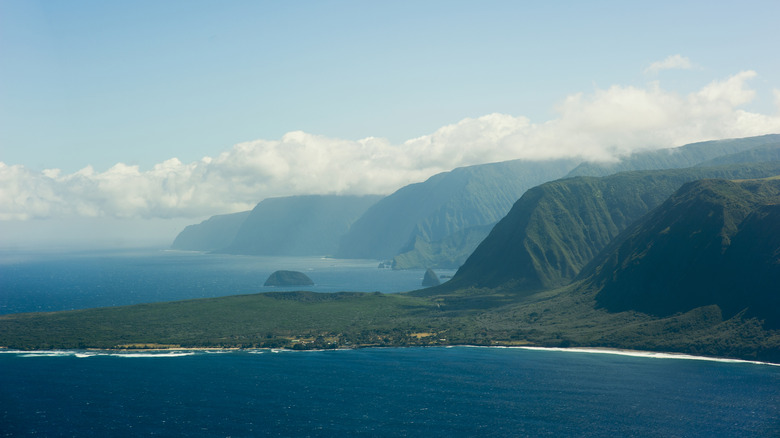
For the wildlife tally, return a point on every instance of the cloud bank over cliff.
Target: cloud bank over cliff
(600, 125)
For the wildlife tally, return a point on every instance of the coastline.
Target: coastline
(189, 351)
(647, 354)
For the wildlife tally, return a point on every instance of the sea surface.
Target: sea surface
(428, 392)
(46, 282)
(418, 392)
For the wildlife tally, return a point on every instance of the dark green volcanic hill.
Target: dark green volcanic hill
(298, 225)
(213, 234)
(555, 229)
(422, 215)
(714, 242)
(708, 153)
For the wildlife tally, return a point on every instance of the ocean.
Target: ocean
(430, 392)
(53, 281)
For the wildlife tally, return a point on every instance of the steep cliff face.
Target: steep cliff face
(298, 225)
(557, 228)
(715, 242)
(445, 204)
(213, 234)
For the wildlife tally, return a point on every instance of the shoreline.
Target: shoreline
(188, 351)
(646, 354)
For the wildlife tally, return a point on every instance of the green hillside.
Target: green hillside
(447, 203)
(557, 228)
(449, 252)
(715, 242)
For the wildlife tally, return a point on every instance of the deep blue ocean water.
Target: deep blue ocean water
(429, 392)
(461, 391)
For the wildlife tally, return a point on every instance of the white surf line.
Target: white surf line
(647, 354)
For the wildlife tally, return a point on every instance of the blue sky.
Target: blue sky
(96, 83)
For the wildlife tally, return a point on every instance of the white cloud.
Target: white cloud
(674, 62)
(601, 125)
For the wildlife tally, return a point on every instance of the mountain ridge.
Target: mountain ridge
(680, 256)
(688, 155)
(443, 205)
(556, 228)
(212, 234)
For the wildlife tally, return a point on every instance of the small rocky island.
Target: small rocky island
(288, 278)
(430, 279)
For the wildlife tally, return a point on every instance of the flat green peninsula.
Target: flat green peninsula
(564, 317)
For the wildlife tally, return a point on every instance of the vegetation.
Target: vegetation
(713, 242)
(437, 223)
(279, 319)
(450, 252)
(288, 278)
(564, 317)
(710, 225)
(420, 217)
(663, 260)
(555, 229)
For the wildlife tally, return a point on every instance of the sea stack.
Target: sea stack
(430, 279)
(288, 278)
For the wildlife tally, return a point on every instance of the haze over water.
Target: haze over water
(35, 282)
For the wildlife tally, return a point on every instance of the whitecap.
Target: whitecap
(167, 354)
(82, 355)
(46, 353)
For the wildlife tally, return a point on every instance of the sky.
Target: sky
(123, 121)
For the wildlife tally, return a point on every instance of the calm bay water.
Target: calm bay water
(460, 391)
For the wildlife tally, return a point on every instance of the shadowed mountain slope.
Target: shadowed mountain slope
(557, 228)
(714, 242)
